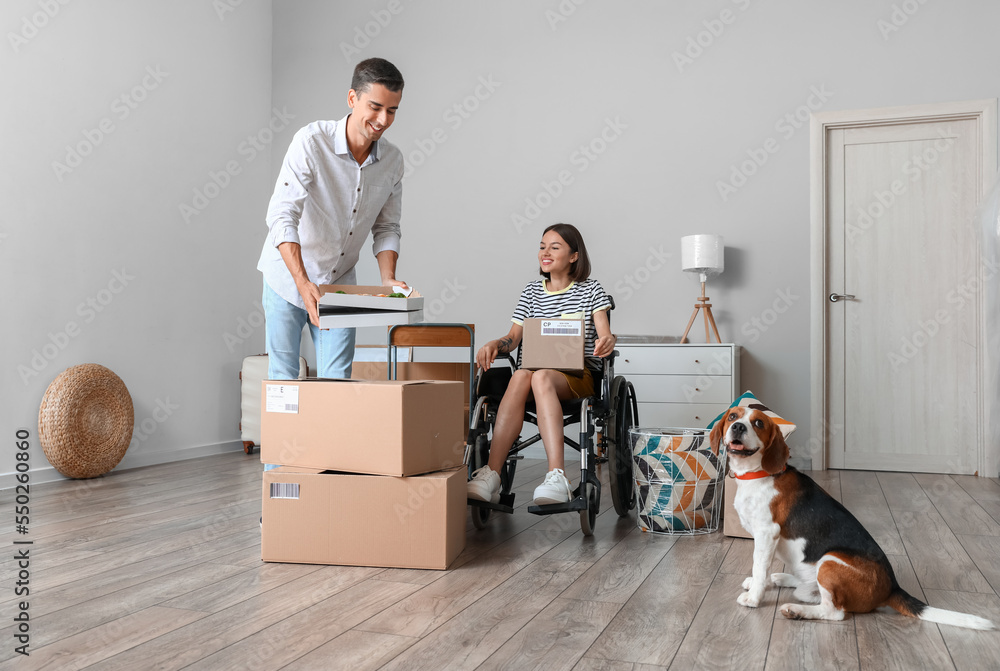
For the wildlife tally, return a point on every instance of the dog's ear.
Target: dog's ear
(715, 438)
(775, 453)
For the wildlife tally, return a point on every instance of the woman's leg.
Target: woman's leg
(548, 388)
(510, 417)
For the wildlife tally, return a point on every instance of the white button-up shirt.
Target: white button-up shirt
(327, 203)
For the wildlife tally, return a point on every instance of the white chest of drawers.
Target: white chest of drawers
(680, 385)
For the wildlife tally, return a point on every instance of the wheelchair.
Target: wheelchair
(605, 419)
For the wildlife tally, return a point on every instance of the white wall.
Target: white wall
(562, 69)
(98, 263)
(559, 70)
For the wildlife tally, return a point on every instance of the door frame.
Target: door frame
(984, 113)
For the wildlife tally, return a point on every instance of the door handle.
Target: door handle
(836, 297)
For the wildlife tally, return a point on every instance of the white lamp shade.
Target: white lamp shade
(702, 254)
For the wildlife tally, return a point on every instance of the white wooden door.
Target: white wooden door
(904, 355)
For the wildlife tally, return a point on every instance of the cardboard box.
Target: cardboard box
(553, 343)
(418, 370)
(315, 517)
(398, 427)
(731, 521)
(414, 370)
(360, 305)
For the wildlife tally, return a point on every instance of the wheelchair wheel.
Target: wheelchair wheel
(480, 455)
(588, 517)
(479, 516)
(619, 452)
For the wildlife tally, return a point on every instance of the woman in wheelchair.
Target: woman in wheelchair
(565, 292)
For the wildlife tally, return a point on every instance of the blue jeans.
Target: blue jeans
(283, 324)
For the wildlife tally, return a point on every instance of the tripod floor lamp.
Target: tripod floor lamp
(702, 254)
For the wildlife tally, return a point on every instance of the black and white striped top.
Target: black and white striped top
(580, 300)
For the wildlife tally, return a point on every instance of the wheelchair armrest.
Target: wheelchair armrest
(604, 394)
(493, 382)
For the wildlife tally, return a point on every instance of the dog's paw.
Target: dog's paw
(746, 599)
(792, 611)
(747, 583)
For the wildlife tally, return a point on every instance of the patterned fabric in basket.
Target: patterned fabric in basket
(677, 477)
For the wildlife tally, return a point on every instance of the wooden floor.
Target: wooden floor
(159, 568)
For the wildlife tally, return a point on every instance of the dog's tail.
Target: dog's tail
(913, 607)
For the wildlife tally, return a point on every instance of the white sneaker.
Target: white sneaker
(554, 489)
(484, 485)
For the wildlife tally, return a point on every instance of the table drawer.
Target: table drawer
(682, 388)
(676, 360)
(681, 415)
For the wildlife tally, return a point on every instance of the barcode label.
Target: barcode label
(282, 398)
(561, 328)
(284, 490)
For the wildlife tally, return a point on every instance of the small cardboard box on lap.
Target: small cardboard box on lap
(553, 343)
(381, 427)
(314, 517)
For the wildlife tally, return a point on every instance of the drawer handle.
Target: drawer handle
(696, 361)
(697, 417)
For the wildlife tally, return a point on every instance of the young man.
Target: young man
(339, 180)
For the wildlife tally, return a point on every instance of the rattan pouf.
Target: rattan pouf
(85, 422)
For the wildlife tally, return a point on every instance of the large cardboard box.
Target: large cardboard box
(731, 521)
(315, 517)
(553, 343)
(414, 370)
(383, 427)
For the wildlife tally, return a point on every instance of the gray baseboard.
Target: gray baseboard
(134, 460)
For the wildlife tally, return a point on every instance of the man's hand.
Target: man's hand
(393, 282)
(310, 296)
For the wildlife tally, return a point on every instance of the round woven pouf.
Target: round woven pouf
(85, 422)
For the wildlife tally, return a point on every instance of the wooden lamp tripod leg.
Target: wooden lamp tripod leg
(709, 317)
(684, 338)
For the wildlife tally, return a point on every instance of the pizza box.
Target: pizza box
(360, 305)
(366, 297)
(335, 318)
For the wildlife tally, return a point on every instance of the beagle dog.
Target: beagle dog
(834, 564)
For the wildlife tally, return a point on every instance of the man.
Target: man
(338, 181)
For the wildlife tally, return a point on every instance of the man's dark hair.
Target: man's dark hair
(579, 270)
(376, 71)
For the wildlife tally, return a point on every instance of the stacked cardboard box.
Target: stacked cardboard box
(370, 364)
(371, 472)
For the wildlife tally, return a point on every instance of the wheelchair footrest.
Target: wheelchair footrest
(579, 503)
(502, 507)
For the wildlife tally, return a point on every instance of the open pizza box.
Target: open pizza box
(346, 305)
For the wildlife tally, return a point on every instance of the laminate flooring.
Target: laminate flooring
(159, 568)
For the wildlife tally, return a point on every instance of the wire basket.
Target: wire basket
(679, 480)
